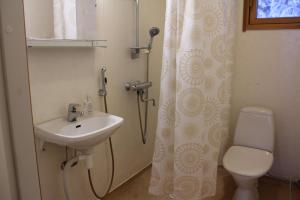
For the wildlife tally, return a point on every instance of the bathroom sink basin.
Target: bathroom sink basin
(82, 134)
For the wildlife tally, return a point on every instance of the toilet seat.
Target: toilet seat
(247, 161)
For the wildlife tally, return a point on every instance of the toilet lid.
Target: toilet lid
(247, 161)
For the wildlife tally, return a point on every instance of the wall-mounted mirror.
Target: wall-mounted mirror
(61, 19)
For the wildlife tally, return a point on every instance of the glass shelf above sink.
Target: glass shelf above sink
(65, 43)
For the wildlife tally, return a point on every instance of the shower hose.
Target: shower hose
(72, 162)
(140, 94)
(112, 164)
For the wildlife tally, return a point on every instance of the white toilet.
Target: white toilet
(251, 155)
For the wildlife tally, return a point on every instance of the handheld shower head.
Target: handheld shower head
(154, 31)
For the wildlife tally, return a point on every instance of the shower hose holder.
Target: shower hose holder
(135, 51)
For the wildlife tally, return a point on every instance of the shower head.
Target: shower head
(154, 31)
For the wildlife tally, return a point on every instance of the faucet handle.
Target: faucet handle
(73, 107)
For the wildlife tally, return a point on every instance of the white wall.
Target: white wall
(267, 74)
(61, 76)
(8, 189)
(14, 61)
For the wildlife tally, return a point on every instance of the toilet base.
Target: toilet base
(247, 188)
(246, 194)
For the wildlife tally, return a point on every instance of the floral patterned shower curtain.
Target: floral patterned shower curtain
(195, 97)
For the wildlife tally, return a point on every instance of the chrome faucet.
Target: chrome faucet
(73, 113)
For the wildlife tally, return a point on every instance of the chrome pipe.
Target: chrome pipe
(137, 21)
(145, 100)
(135, 52)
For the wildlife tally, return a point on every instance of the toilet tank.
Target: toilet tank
(255, 128)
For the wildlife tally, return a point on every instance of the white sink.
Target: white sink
(83, 134)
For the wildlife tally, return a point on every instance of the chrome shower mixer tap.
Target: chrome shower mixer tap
(137, 85)
(141, 88)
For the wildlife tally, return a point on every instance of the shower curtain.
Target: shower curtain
(193, 116)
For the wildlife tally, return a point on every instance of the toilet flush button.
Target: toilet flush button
(9, 29)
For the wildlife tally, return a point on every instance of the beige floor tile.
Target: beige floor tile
(269, 189)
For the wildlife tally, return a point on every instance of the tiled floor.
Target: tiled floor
(269, 189)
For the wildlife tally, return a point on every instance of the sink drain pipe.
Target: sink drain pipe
(67, 165)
